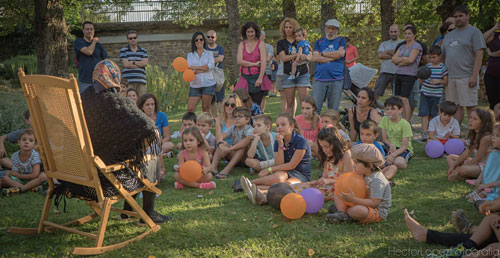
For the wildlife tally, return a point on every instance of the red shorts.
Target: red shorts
(373, 216)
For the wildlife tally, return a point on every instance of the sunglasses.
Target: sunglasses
(131, 38)
(230, 104)
(198, 40)
(450, 30)
(211, 37)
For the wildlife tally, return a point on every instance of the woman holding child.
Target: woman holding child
(201, 61)
(287, 52)
(251, 57)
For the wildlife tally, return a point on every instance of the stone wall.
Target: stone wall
(166, 40)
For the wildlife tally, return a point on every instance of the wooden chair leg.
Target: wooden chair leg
(104, 222)
(46, 209)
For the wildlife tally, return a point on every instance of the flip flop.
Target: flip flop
(221, 176)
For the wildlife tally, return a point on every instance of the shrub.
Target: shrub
(27, 62)
(12, 108)
(169, 87)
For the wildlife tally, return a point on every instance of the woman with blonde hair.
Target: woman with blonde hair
(226, 120)
(287, 52)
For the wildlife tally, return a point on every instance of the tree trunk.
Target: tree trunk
(446, 8)
(327, 12)
(289, 9)
(386, 17)
(233, 18)
(50, 38)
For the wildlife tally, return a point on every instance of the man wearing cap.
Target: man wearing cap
(134, 60)
(329, 53)
(387, 68)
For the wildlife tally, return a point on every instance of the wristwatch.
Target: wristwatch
(322, 54)
(133, 62)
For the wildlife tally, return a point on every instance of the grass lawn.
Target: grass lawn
(221, 223)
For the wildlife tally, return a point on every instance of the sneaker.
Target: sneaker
(237, 186)
(424, 136)
(169, 154)
(247, 187)
(460, 221)
(11, 191)
(207, 185)
(178, 185)
(157, 218)
(332, 208)
(38, 189)
(338, 217)
(291, 77)
(392, 183)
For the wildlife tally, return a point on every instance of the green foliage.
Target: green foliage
(27, 62)
(169, 87)
(12, 107)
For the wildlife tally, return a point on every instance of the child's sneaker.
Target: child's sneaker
(460, 221)
(208, 185)
(178, 185)
(332, 208)
(424, 136)
(291, 77)
(11, 191)
(169, 154)
(38, 189)
(338, 217)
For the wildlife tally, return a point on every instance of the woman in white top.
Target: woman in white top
(201, 61)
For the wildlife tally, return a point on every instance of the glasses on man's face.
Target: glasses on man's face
(449, 30)
(198, 40)
(131, 38)
(230, 104)
(238, 117)
(211, 37)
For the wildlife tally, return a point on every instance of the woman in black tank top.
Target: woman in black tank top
(362, 111)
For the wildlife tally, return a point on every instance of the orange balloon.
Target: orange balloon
(180, 64)
(348, 181)
(293, 206)
(190, 171)
(188, 75)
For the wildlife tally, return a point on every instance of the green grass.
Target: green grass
(221, 223)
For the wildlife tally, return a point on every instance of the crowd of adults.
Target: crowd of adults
(262, 70)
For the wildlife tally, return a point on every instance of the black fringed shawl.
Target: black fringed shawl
(119, 131)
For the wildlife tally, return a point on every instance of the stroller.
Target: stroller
(361, 76)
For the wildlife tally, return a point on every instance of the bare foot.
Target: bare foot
(419, 233)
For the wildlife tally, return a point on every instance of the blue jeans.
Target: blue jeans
(84, 85)
(331, 90)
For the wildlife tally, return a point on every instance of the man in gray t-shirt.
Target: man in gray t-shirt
(387, 68)
(463, 49)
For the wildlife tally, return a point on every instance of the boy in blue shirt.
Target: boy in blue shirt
(304, 47)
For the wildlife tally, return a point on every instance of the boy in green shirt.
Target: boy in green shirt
(396, 134)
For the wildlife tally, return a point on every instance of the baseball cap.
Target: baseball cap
(333, 22)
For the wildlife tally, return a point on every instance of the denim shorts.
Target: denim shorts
(198, 92)
(428, 106)
(304, 80)
(406, 155)
(298, 175)
(219, 95)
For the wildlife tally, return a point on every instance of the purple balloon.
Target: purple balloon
(314, 199)
(434, 149)
(454, 146)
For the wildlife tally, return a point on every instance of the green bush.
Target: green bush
(169, 87)
(12, 107)
(27, 62)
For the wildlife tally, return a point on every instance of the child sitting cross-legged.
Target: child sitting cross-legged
(261, 152)
(375, 207)
(368, 134)
(194, 148)
(396, 134)
(489, 180)
(25, 174)
(480, 127)
(444, 126)
(241, 135)
(335, 157)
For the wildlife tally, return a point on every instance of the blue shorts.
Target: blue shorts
(304, 80)
(298, 175)
(198, 92)
(219, 95)
(406, 155)
(428, 106)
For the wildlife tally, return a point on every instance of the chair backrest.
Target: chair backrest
(58, 120)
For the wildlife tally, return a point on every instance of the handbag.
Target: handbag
(219, 77)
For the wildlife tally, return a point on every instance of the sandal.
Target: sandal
(221, 176)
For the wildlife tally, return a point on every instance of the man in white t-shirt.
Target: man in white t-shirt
(387, 68)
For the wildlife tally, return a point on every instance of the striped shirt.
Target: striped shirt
(437, 73)
(134, 75)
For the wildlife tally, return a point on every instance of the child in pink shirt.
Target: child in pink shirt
(309, 123)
